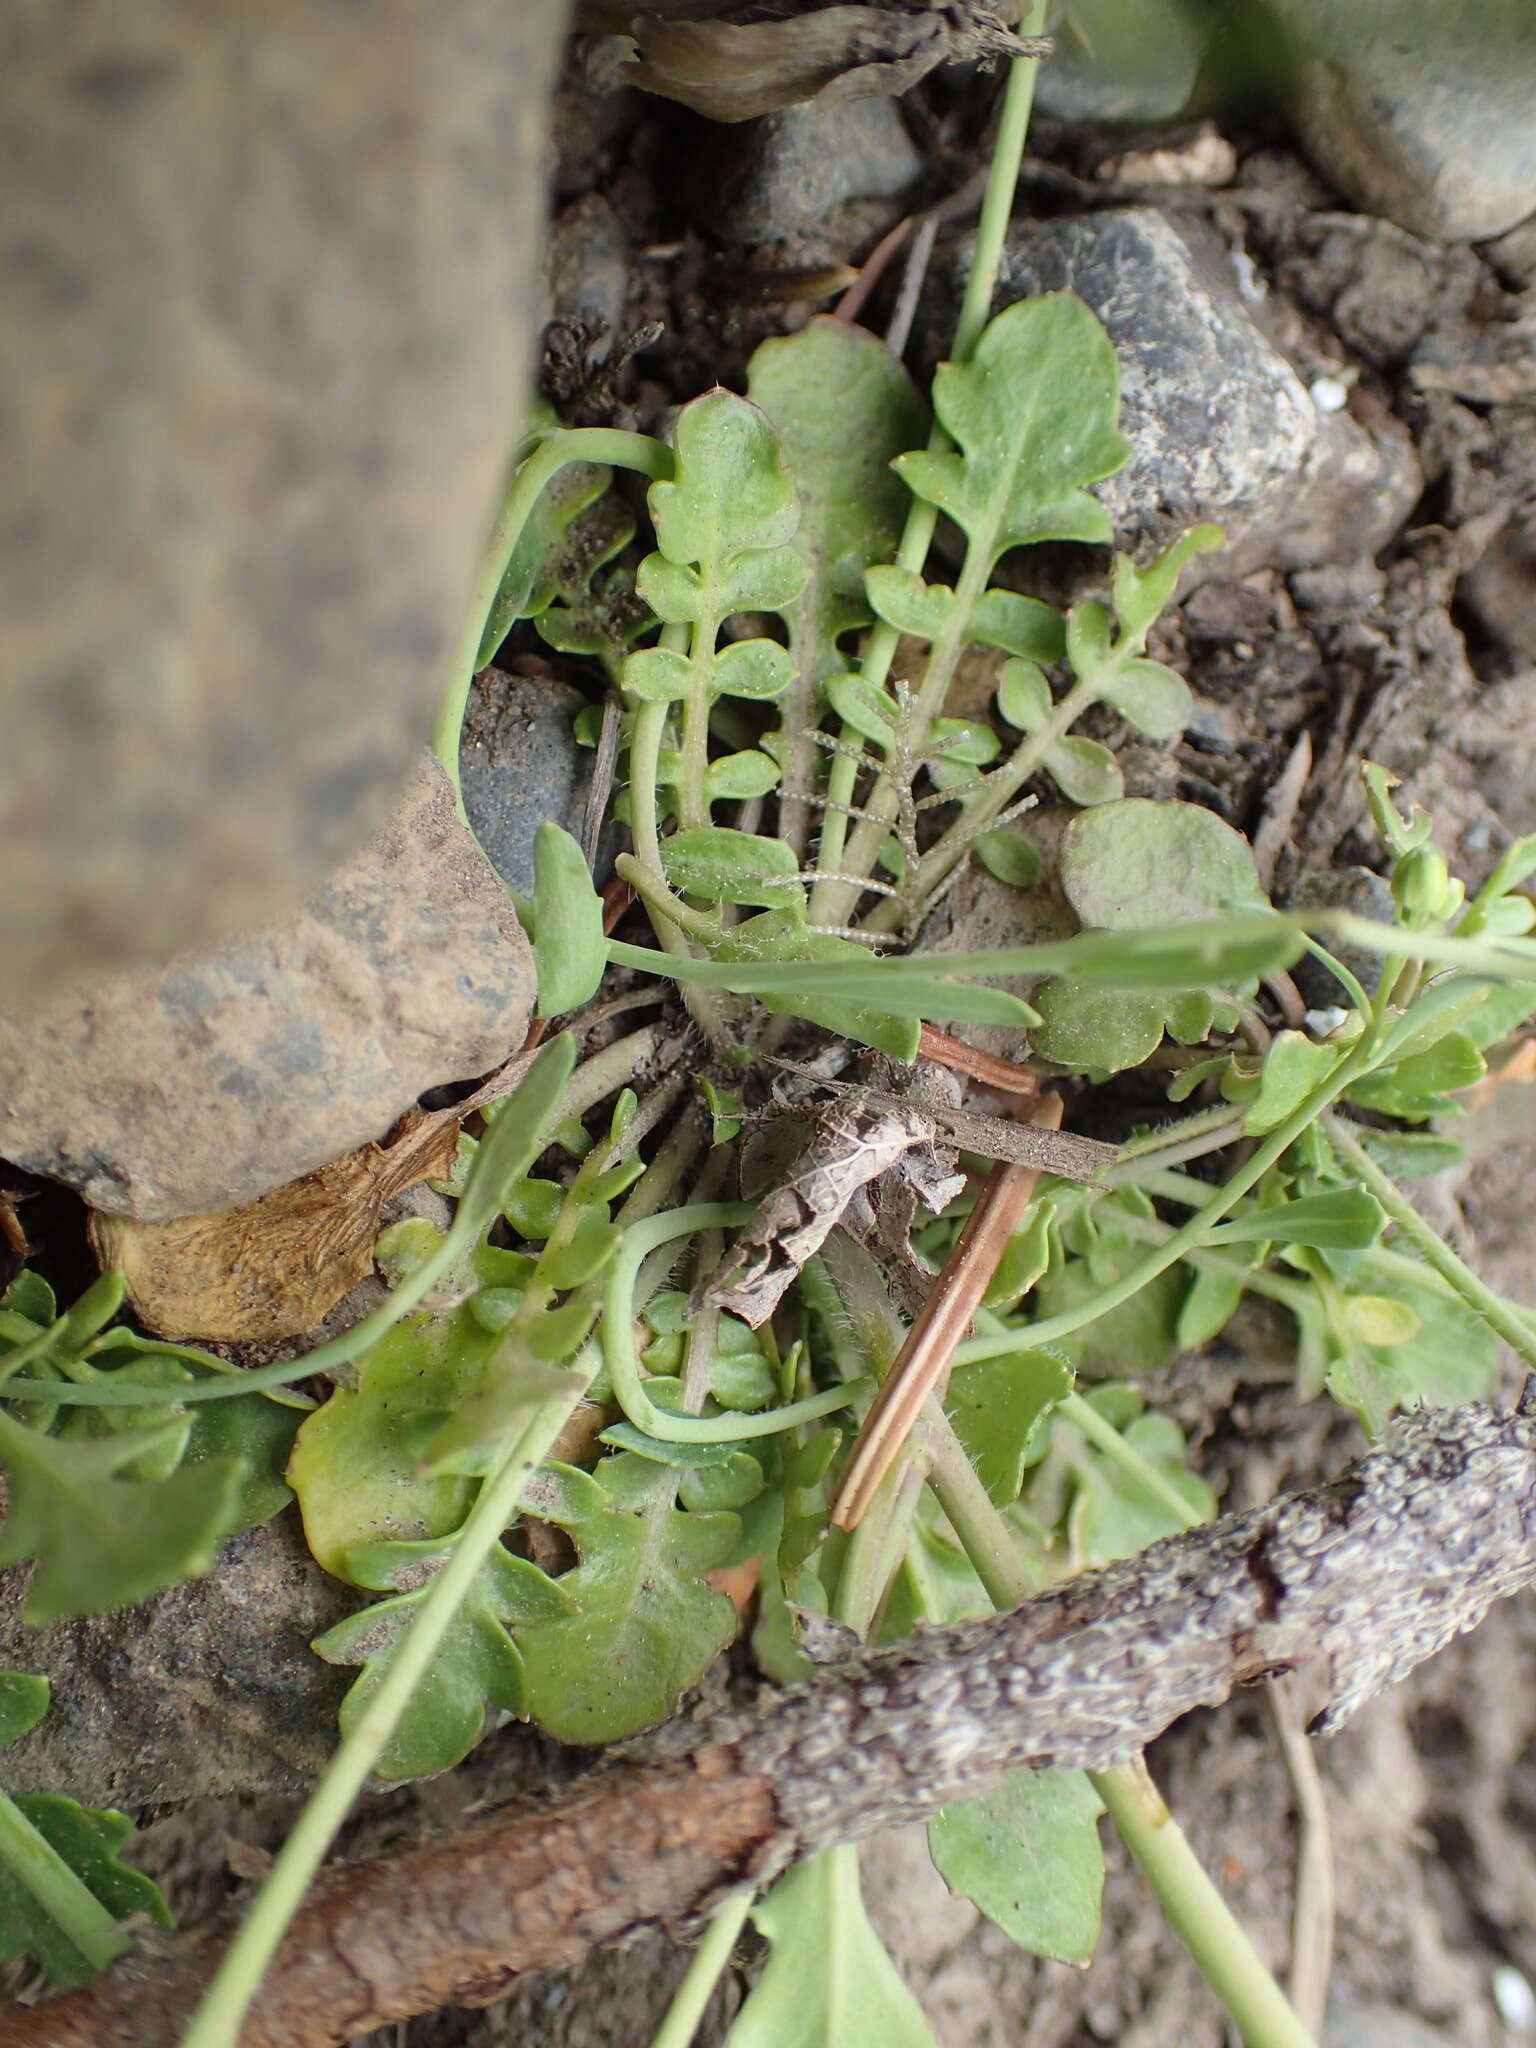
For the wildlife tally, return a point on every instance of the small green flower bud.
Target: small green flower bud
(1420, 883)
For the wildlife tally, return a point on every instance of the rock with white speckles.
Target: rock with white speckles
(1220, 424)
(222, 1075)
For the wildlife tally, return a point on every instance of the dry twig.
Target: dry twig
(922, 1365)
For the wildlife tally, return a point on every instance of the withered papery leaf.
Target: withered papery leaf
(739, 63)
(902, 1136)
(853, 1144)
(274, 1267)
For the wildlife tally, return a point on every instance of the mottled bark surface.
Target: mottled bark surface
(1356, 1581)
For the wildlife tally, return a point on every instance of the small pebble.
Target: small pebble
(1323, 1023)
(1250, 281)
(1515, 1999)
(1329, 394)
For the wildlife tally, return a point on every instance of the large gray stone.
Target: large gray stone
(1221, 426)
(269, 277)
(1123, 61)
(586, 267)
(220, 1076)
(519, 765)
(1423, 110)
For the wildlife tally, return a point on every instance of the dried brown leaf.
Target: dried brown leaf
(737, 63)
(277, 1266)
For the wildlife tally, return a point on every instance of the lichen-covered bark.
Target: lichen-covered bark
(1358, 1581)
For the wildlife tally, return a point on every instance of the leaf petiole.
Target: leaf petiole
(67, 1900)
(640, 1239)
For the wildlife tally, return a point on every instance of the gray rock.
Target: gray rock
(269, 290)
(205, 1690)
(785, 173)
(1123, 61)
(1351, 2025)
(221, 1076)
(1417, 109)
(586, 268)
(1220, 425)
(519, 764)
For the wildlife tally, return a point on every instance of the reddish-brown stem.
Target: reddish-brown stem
(961, 1058)
(924, 1359)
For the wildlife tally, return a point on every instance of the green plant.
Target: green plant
(717, 1448)
(64, 1889)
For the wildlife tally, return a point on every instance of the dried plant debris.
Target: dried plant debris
(1358, 1580)
(734, 63)
(275, 1267)
(876, 1150)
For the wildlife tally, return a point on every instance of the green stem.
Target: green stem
(1087, 1420)
(529, 478)
(670, 917)
(985, 1537)
(1178, 1187)
(640, 1239)
(710, 1961)
(831, 902)
(692, 804)
(1500, 1315)
(217, 2021)
(1002, 182)
(1196, 1911)
(876, 1547)
(679, 919)
(644, 759)
(1189, 1235)
(1195, 1138)
(31, 1859)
